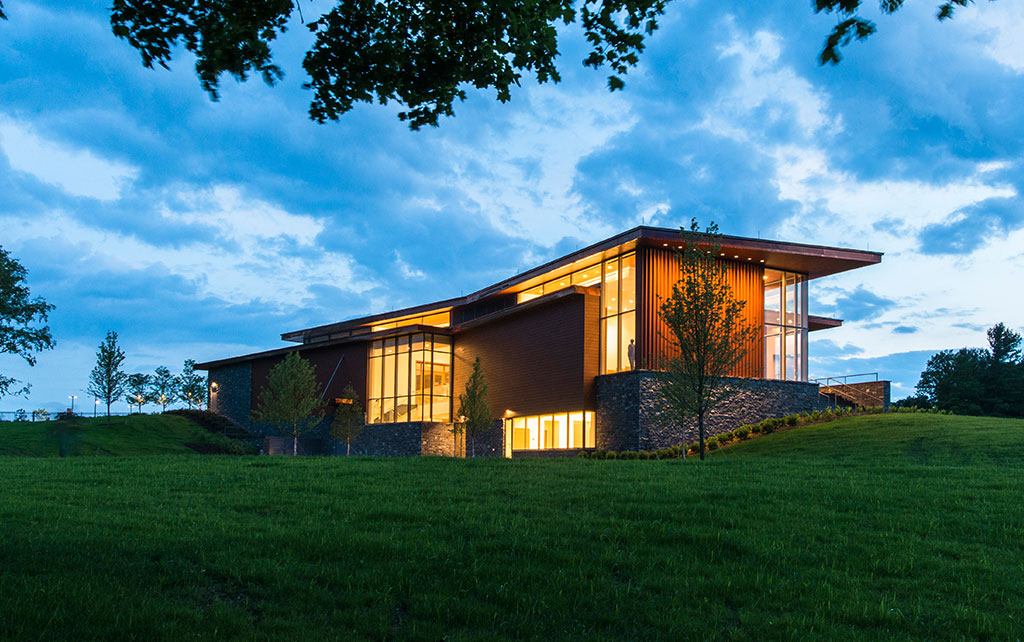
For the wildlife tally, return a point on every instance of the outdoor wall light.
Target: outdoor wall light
(213, 387)
(509, 413)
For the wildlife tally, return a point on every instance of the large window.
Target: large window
(785, 326)
(618, 314)
(409, 379)
(438, 320)
(559, 430)
(617, 278)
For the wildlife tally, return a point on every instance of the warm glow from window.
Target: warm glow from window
(557, 430)
(437, 320)
(409, 379)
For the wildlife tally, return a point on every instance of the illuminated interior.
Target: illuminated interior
(785, 326)
(437, 319)
(409, 379)
(559, 430)
(618, 313)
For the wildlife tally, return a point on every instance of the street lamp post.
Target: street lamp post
(72, 398)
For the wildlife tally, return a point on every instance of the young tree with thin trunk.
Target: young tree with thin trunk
(163, 387)
(191, 386)
(138, 390)
(706, 329)
(107, 382)
(291, 399)
(473, 406)
(347, 423)
(22, 320)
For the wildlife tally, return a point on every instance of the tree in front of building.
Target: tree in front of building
(290, 401)
(23, 331)
(347, 423)
(138, 390)
(163, 387)
(191, 386)
(107, 381)
(707, 331)
(474, 411)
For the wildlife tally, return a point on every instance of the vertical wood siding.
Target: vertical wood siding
(658, 270)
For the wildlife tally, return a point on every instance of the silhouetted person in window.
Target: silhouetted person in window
(631, 353)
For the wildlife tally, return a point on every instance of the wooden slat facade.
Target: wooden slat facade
(657, 271)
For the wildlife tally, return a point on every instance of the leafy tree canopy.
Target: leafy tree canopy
(107, 381)
(23, 331)
(191, 385)
(474, 410)
(706, 329)
(347, 423)
(290, 401)
(418, 53)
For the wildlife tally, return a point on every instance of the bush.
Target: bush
(742, 432)
(212, 422)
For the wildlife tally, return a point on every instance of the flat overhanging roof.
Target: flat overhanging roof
(815, 261)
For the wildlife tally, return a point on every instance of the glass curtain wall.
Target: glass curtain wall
(617, 278)
(785, 325)
(559, 430)
(409, 379)
(618, 314)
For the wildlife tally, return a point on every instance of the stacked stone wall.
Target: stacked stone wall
(233, 398)
(631, 416)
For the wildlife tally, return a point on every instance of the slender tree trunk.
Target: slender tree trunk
(700, 431)
(348, 447)
(295, 445)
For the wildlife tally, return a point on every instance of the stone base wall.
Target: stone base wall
(488, 444)
(233, 398)
(630, 417)
(386, 440)
(436, 438)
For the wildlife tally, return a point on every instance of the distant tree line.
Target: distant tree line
(108, 382)
(975, 381)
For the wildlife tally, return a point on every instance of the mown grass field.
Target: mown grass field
(124, 435)
(903, 527)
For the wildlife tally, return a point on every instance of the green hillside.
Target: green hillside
(898, 438)
(130, 435)
(875, 528)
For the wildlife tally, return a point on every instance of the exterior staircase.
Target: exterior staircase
(868, 392)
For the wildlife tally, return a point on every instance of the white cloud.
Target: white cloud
(272, 256)
(77, 171)
(763, 85)
(1002, 24)
(937, 294)
(532, 164)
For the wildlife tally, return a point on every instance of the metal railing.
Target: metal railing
(839, 387)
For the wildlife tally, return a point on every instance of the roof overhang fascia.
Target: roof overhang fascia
(814, 261)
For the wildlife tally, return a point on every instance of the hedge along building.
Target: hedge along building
(568, 349)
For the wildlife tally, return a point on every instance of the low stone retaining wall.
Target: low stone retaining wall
(629, 409)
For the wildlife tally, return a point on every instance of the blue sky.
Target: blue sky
(201, 229)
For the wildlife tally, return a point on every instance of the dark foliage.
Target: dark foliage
(420, 54)
(976, 381)
(212, 422)
(23, 330)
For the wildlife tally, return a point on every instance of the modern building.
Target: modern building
(569, 350)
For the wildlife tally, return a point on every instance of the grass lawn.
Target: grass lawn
(900, 527)
(131, 435)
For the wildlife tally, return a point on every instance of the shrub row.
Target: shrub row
(212, 422)
(746, 431)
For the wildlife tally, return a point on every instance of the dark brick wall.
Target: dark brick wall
(534, 361)
(629, 415)
(234, 391)
(488, 444)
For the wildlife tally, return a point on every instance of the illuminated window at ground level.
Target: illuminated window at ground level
(559, 430)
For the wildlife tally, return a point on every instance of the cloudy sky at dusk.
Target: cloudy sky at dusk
(203, 230)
